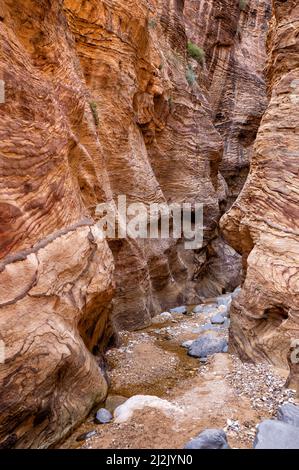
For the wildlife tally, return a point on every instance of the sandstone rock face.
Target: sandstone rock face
(56, 271)
(233, 38)
(263, 223)
(158, 139)
(102, 100)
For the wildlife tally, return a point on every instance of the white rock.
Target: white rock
(125, 411)
(163, 317)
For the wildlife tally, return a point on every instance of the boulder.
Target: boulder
(182, 309)
(162, 318)
(276, 435)
(207, 345)
(209, 439)
(289, 413)
(217, 319)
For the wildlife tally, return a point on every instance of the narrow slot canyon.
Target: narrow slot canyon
(149, 248)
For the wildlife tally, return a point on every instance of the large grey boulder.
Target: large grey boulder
(289, 413)
(207, 345)
(276, 435)
(209, 439)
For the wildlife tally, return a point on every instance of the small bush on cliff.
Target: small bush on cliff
(152, 24)
(196, 52)
(190, 75)
(94, 110)
(243, 4)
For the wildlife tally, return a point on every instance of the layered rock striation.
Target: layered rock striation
(263, 222)
(102, 100)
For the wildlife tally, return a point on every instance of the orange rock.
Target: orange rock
(263, 223)
(97, 104)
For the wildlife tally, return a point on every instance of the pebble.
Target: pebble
(232, 425)
(86, 435)
(259, 383)
(103, 416)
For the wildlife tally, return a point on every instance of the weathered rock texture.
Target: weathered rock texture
(56, 272)
(98, 105)
(263, 223)
(233, 38)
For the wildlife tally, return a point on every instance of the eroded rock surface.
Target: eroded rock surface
(97, 104)
(263, 223)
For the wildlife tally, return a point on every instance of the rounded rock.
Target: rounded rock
(103, 416)
(209, 439)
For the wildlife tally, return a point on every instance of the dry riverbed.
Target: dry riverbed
(221, 393)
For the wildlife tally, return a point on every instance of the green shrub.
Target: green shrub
(94, 110)
(152, 23)
(190, 76)
(196, 52)
(243, 4)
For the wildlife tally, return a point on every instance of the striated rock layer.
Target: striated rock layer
(263, 223)
(102, 100)
(56, 271)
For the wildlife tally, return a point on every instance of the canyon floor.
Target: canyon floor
(221, 393)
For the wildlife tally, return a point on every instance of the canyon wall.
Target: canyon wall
(101, 100)
(263, 223)
(56, 270)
